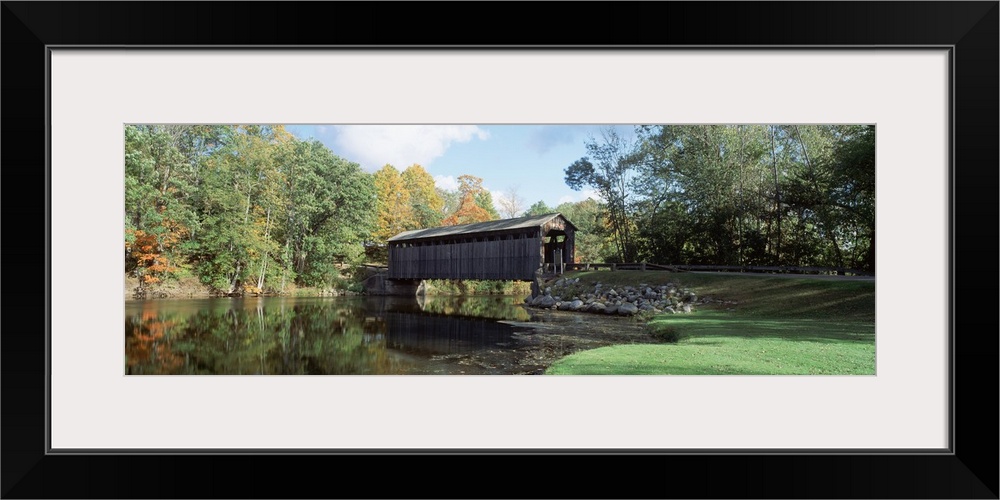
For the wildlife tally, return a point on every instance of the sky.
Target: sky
(528, 158)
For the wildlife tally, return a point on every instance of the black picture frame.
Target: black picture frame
(969, 470)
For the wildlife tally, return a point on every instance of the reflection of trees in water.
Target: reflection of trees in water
(149, 344)
(298, 339)
(506, 308)
(303, 336)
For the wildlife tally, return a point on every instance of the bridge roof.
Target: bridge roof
(480, 227)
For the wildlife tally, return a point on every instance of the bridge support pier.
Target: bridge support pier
(380, 285)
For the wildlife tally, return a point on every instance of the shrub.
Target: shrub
(664, 333)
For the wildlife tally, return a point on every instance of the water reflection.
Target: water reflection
(316, 336)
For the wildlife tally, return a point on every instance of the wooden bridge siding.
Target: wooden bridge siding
(509, 258)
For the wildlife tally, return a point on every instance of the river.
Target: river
(476, 335)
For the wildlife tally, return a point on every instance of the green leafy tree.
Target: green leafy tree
(610, 169)
(328, 210)
(538, 208)
(484, 200)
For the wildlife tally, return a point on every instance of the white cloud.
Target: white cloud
(446, 182)
(400, 145)
(590, 193)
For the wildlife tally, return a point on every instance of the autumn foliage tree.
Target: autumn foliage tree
(149, 254)
(476, 204)
(468, 213)
(425, 201)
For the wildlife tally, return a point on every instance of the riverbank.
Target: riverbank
(751, 324)
(190, 288)
(552, 335)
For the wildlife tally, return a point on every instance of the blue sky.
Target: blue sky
(530, 158)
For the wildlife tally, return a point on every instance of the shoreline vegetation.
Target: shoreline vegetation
(189, 287)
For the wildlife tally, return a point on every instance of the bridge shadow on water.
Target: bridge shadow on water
(449, 325)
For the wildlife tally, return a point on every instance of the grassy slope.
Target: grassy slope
(779, 326)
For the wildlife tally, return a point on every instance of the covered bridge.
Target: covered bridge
(506, 249)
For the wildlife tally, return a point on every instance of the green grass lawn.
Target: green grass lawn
(780, 326)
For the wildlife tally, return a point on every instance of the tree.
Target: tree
(853, 165)
(538, 208)
(756, 195)
(240, 207)
(393, 207)
(511, 205)
(248, 208)
(484, 200)
(328, 208)
(452, 200)
(592, 237)
(615, 161)
(157, 217)
(426, 203)
(468, 212)
(470, 185)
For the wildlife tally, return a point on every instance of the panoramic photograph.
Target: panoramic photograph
(597, 249)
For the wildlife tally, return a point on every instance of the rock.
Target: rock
(611, 310)
(690, 297)
(645, 307)
(686, 308)
(627, 309)
(560, 282)
(596, 307)
(669, 310)
(563, 306)
(548, 290)
(527, 300)
(545, 301)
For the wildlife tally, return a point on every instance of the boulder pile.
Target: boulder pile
(569, 294)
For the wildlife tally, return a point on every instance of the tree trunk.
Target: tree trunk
(234, 279)
(777, 196)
